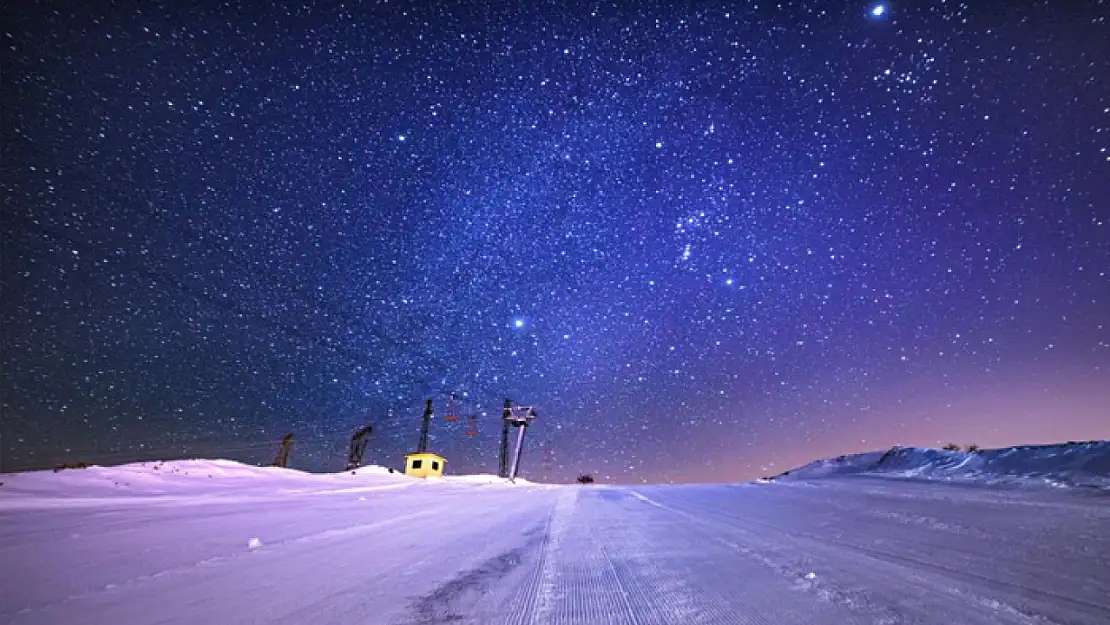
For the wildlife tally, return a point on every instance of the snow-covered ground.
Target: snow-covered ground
(137, 544)
(200, 481)
(1084, 464)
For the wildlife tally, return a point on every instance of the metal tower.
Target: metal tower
(358, 447)
(518, 417)
(424, 424)
(284, 451)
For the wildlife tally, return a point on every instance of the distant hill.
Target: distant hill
(1066, 464)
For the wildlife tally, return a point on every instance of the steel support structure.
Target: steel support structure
(424, 425)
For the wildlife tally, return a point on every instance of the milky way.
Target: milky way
(705, 241)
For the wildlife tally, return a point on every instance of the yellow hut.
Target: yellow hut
(424, 464)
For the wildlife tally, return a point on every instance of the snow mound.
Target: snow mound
(1066, 464)
(202, 481)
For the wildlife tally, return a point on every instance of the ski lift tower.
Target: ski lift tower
(284, 451)
(513, 417)
(358, 447)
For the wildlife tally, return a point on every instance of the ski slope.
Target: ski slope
(137, 545)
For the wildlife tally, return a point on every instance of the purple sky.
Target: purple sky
(706, 242)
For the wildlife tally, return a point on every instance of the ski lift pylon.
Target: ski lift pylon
(472, 430)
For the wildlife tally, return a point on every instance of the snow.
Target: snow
(201, 481)
(166, 543)
(192, 481)
(1085, 464)
(483, 479)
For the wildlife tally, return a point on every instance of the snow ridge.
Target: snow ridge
(1085, 464)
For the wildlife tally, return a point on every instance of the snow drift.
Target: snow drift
(200, 481)
(1066, 464)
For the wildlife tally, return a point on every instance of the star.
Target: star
(313, 233)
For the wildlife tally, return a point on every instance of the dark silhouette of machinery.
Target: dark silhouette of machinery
(358, 447)
(284, 451)
(513, 417)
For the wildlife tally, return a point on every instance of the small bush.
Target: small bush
(951, 447)
(973, 448)
(585, 479)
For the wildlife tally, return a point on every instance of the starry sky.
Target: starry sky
(706, 240)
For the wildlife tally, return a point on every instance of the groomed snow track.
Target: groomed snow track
(835, 551)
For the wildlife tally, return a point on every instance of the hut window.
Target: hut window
(417, 463)
(435, 465)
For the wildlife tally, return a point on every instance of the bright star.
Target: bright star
(878, 10)
(518, 323)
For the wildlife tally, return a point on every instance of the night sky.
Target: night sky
(706, 240)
